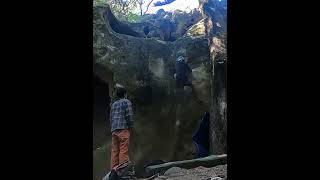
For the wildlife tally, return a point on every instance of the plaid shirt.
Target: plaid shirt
(121, 115)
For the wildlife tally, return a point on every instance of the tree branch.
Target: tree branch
(140, 2)
(148, 7)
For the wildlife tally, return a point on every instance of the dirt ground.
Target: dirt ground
(199, 173)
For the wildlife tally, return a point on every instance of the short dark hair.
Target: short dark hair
(121, 92)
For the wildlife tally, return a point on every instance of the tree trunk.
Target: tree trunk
(214, 13)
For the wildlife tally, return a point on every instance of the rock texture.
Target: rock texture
(164, 118)
(215, 18)
(166, 26)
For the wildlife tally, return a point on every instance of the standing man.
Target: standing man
(121, 120)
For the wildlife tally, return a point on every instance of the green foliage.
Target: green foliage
(99, 2)
(123, 10)
(133, 17)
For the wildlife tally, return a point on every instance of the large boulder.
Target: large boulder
(164, 118)
(167, 26)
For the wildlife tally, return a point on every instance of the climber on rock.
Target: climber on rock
(182, 72)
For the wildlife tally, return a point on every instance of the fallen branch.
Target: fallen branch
(209, 161)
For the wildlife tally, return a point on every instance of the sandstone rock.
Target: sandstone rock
(197, 30)
(166, 25)
(145, 67)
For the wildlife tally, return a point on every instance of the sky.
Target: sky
(184, 5)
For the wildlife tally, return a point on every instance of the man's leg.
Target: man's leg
(115, 149)
(179, 83)
(124, 137)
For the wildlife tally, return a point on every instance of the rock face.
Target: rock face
(166, 26)
(215, 14)
(164, 118)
